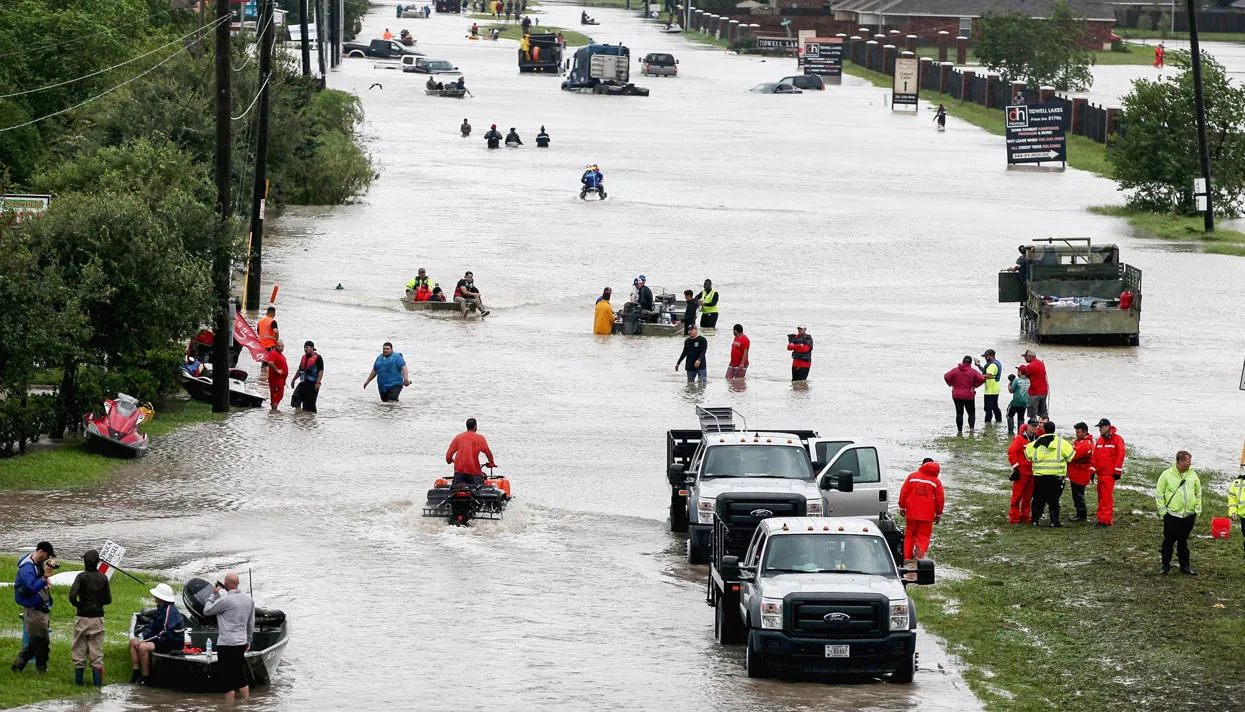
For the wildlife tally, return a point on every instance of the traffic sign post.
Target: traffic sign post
(1035, 134)
(906, 88)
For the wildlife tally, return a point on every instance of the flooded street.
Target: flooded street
(823, 209)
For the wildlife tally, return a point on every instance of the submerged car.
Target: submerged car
(804, 81)
(423, 65)
(659, 64)
(775, 88)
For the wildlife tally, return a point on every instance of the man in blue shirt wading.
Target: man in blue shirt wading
(390, 373)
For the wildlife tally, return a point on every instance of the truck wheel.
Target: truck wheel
(697, 552)
(678, 511)
(355, 53)
(753, 663)
(905, 673)
(727, 627)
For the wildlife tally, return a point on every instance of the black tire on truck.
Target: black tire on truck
(728, 629)
(697, 551)
(678, 514)
(904, 674)
(753, 663)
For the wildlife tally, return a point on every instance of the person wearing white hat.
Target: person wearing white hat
(165, 632)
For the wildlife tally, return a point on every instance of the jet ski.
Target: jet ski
(115, 431)
(459, 504)
(196, 378)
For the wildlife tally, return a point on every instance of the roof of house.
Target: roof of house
(1090, 9)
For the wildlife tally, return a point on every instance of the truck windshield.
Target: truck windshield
(828, 553)
(757, 461)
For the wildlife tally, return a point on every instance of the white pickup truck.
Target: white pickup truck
(818, 594)
(747, 476)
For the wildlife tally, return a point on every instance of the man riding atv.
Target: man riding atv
(592, 180)
(493, 137)
(464, 454)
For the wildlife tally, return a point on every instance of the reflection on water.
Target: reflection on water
(822, 208)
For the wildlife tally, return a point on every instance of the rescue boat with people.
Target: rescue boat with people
(115, 431)
(193, 668)
(441, 308)
(459, 504)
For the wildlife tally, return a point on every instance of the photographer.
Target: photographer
(235, 621)
(32, 593)
(800, 344)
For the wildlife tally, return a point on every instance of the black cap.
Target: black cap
(989, 352)
(1033, 421)
(1102, 422)
(310, 343)
(45, 546)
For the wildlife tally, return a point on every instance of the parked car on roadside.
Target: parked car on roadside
(804, 81)
(659, 64)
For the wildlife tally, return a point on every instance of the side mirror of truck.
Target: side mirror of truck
(674, 471)
(729, 567)
(923, 575)
(842, 481)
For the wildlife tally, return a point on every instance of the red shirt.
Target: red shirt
(276, 362)
(738, 347)
(465, 451)
(1036, 371)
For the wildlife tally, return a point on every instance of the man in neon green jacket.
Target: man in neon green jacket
(1236, 502)
(1178, 496)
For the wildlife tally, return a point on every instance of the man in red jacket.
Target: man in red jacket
(1080, 471)
(920, 501)
(1022, 475)
(800, 344)
(1108, 464)
(964, 381)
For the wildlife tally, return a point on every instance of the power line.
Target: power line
(78, 40)
(248, 109)
(108, 69)
(249, 57)
(99, 95)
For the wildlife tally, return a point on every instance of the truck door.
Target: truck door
(824, 451)
(751, 558)
(868, 495)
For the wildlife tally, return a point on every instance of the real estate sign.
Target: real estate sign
(17, 206)
(1035, 133)
(824, 56)
(907, 86)
(781, 42)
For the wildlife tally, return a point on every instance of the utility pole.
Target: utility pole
(1208, 215)
(259, 196)
(222, 329)
(333, 20)
(302, 23)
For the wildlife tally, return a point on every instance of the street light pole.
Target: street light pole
(1203, 150)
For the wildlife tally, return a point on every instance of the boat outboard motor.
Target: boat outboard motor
(195, 595)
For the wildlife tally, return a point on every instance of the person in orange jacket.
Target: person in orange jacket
(1080, 473)
(1022, 474)
(1108, 464)
(920, 501)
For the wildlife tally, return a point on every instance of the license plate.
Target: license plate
(838, 651)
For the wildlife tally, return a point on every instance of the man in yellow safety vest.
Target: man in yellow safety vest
(708, 306)
(1050, 455)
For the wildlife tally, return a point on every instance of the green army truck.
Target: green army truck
(1073, 291)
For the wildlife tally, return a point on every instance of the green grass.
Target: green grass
(1165, 34)
(515, 32)
(698, 37)
(1078, 618)
(1177, 227)
(71, 466)
(1083, 153)
(1135, 54)
(28, 686)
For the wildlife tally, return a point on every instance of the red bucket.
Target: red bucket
(1220, 527)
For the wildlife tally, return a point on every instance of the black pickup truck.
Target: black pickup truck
(381, 49)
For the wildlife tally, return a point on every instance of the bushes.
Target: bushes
(26, 422)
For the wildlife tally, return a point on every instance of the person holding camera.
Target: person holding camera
(32, 592)
(235, 624)
(800, 344)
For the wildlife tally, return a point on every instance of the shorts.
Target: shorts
(391, 394)
(231, 667)
(733, 372)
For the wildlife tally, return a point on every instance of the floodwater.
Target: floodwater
(826, 209)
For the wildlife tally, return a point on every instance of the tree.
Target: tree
(1038, 51)
(1156, 157)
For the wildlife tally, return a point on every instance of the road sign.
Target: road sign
(22, 205)
(824, 56)
(777, 42)
(1035, 133)
(907, 85)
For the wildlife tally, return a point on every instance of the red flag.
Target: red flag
(245, 335)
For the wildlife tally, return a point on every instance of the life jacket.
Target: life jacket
(422, 293)
(306, 362)
(709, 297)
(267, 338)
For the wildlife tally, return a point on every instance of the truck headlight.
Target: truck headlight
(815, 507)
(705, 508)
(771, 613)
(899, 615)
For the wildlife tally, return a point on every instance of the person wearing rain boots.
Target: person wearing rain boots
(89, 594)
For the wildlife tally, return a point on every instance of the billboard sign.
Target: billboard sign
(907, 86)
(777, 42)
(1035, 133)
(824, 56)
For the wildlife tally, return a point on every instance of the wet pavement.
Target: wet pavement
(881, 235)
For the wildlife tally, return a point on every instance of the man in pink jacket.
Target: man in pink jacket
(964, 381)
